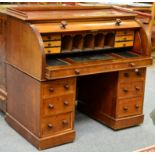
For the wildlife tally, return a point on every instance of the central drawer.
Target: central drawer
(57, 124)
(57, 105)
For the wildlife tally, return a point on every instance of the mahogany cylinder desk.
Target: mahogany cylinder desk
(58, 56)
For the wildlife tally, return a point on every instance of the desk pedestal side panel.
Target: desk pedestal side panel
(118, 103)
(42, 112)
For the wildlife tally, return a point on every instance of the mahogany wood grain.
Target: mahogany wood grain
(42, 87)
(21, 38)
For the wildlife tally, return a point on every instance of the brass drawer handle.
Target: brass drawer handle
(63, 24)
(50, 106)
(66, 103)
(49, 44)
(118, 22)
(126, 74)
(66, 86)
(65, 122)
(125, 108)
(77, 71)
(50, 126)
(125, 90)
(49, 51)
(137, 106)
(132, 64)
(51, 89)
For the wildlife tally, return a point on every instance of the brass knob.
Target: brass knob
(124, 45)
(66, 103)
(137, 106)
(77, 71)
(51, 89)
(49, 44)
(125, 108)
(50, 106)
(132, 64)
(137, 88)
(66, 86)
(118, 22)
(65, 122)
(49, 51)
(126, 74)
(63, 24)
(50, 126)
(125, 90)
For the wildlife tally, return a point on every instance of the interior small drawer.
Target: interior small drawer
(58, 104)
(46, 37)
(56, 124)
(52, 43)
(125, 32)
(52, 50)
(129, 107)
(124, 38)
(123, 44)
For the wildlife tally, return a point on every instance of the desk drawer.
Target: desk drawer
(57, 124)
(59, 87)
(46, 37)
(130, 89)
(85, 69)
(134, 74)
(52, 43)
(125, 32)
(57, 105)
(123, 44)
(49, 50)
(124, 38)
(128, 107)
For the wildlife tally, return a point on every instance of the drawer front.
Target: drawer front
(57, 124)
(59, 87)
(51, 37)
(129, 107)
(57, 105)
(134, 74)
(124, 38)
(130, 89)
(123, 44)
(125, 32)
(92, 69)
(52, 50)
(52, 43)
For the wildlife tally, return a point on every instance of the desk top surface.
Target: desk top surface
(47, 12)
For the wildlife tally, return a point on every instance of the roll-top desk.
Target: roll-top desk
(58, 56)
